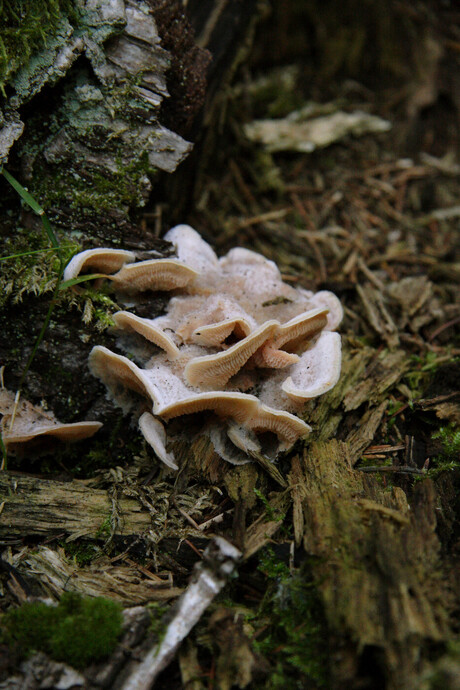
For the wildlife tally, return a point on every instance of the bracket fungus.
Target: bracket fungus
(25, 426)
(235, 341)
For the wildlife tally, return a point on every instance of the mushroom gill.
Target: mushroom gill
(105, 261)
(235, 340)
(24, 425)
(215, 370)
(154, 274)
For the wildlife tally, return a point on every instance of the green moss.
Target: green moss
(295, 634)
(29, 265)
(25, 28)
(79, 180)
(271, 514)
(81, 551)
(105, 529)
(158, 624)
(448, 458)
(120, 190)
(422, 371)
(78, 631)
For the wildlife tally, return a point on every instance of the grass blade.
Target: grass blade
(36, 251)
(80, 279)
(23, 193)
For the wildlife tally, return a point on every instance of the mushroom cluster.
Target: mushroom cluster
(235, 341)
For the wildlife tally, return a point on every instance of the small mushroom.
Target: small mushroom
(25, 425)
(118, 266)
(154, 274)
(216, 333)
(192, 250)
(286, 426)
(216, 369)
(21, 434)
(100, 260)
(155, 435)
(300, 329)
(125, 321)
(317, 371)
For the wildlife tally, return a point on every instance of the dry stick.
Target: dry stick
(397, 469)
(269, 467)
(210, 576)
(443, 327)
(278, 214)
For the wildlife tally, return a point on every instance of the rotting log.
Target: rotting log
(45, 508)
(375, 560)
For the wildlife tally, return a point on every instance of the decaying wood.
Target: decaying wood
(376, 565)
(261, 531)
(45, 508)
(48, 573)
(210, 576)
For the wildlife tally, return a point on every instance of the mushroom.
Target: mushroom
(118, 266)
(104, 261)
(235, 341)
(155, 435)
(216, 369)
(154, 274)
(317, 371)
(125, 321)
(24, 424)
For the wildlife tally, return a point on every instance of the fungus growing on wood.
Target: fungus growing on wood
(153, 274)
(25, 425)
(235, 341)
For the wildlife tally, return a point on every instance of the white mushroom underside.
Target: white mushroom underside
(103, 260)
(172, 397)
(232, 318)
(155, 435)
(64, 432)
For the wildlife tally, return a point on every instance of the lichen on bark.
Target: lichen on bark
(91, 94)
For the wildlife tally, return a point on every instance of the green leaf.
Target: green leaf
(50, 232)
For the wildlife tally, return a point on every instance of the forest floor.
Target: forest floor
(350, 547)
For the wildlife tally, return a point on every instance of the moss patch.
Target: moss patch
(26, 27)
(295, 640)
(78, 631)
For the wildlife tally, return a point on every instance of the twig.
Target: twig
(187, 517)
(443, 327)
(371, 276)
(269, 468)
(263, 217)
(310, 239)
(210, 576)
(214, 520)
(401, 469)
